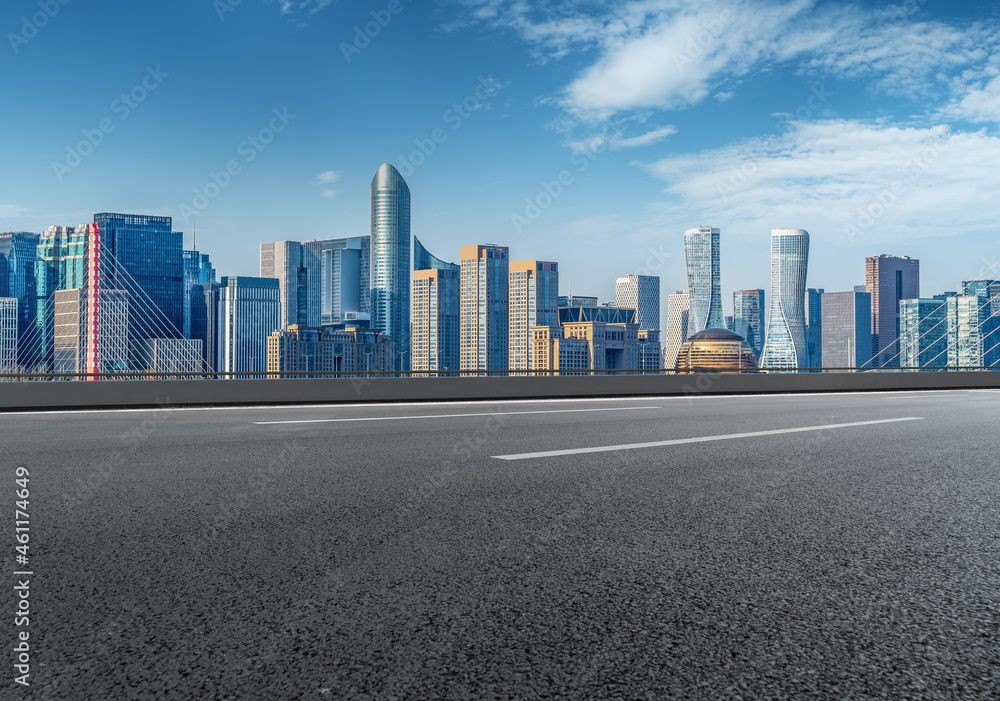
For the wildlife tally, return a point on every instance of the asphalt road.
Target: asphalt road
(427, 551)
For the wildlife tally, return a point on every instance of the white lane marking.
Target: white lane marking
(929, 396)
(701, 439)
(449, 416)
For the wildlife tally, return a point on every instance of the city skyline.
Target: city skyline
(868, 155)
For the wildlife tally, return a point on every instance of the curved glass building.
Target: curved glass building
(390, 260)
(713, 350)
(423, 260)
(701, 254)
(785, 344)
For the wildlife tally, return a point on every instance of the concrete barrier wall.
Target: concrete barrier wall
(18, 396)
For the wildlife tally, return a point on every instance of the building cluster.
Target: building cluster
(121, 295)
(884, 323)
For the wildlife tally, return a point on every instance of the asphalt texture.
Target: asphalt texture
(198, 554)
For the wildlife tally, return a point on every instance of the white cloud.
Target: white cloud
(844, 179)
(650, 137)
(8, 211)
(326, 177)
(724, 96)
(330, 193)
(978, 104)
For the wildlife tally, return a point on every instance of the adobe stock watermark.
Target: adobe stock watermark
(552, 190)
(122, 107)
(249, 149)
(31, 26)
(365, 34)
(887, 197)
(701, 42)
(454, 117)
(224, 7)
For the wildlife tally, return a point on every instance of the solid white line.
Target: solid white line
(449, 416)
(929, 396)
(702, 439)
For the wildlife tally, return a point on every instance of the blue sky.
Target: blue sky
(873, 127)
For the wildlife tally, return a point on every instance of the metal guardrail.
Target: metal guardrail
(355, 374)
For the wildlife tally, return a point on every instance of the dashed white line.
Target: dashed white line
(701, 439)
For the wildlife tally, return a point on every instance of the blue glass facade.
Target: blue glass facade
(345, 277)
(390, 260)
(18, 252)
(150, 252)
(423, 260)
(198, 270)
(785, 343)
(988, 292)
(749, 316)
(701, 254)
(60, 264)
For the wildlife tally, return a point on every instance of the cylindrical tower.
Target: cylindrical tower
(785, 344)
(701, 255)
(390, 260)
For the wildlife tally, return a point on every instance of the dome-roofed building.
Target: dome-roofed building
(713, 350)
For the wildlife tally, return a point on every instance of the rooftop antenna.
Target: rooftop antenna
(194, 237)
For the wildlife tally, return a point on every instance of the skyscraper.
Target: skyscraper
(60, 264)
(390, 252)
(249, 311)
(785, 342)
(889, 279)
(749, 317)
(678, 326)
(847, 332)
(18, 251)
(436, 320)
(701, 253)
(814, 327)
(423, 260)
(73, 345)
(533, 301)
(642, 293)
(198, 270)
(345, 278)
(988, 292)
(923, 338)
(205, 321)
(143, 256)
(485, 295)
(296, 267)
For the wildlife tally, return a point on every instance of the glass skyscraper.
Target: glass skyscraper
(297, 268)
(18, 251)
(988, 292)
(923, 332)
(249, 311)
(423, 260)
(814, 327)
(642, 293)
(785, 342)
(345, 275)
(748, 317)
(60, 264)
(144, 256)
(198, 270)
(701, 253)
(390, 259)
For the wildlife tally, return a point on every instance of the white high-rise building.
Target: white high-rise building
(249, 311)
(701, 255)
(785, 340)
(8, 333)
(678, 326)
(642, 293)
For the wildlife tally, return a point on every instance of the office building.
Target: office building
(8, 334)
(749, 317)
(814, 327)
(577, 301)
(296, 267)
(249, 310)
(988, 292)
(650, 350)
(345, 275)
(390, 259)
(198, 270)
(18, 253)
(205, 322)
(965, 340)
(701, 254)
(423, 260)
(74, 341)
(485, 293)
(587, 339)
(785, 340)
(167, 355)
(143, 256)
(533, 300)
(678, 325)
(436, 320)
(716, 350)
(334, 350)
(60, 264)
(923, 337)
(642, 293)
(847, 332)
(889, 280)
